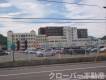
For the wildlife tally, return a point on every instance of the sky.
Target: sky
(45, 9)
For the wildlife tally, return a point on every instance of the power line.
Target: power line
(53, 22)
(68, 22)
(51, 18)
(68, 3)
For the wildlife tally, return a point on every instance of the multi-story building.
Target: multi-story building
(22, 40)
(26, 40)
(63, 35)
(51, 36)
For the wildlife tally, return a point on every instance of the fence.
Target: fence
(67, 53)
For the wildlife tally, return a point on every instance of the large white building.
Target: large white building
(62, 36)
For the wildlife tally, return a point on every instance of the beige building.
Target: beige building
(41, 41)
(30, 38)
(33, 40)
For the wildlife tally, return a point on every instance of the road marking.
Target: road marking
(18, 74)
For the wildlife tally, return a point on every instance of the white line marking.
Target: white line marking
(18, 74)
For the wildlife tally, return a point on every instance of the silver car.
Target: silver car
(47, 52)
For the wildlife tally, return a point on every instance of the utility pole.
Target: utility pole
(98, 42)
(98, 48)
(13, 49)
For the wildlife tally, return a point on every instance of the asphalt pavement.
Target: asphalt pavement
(72, 71)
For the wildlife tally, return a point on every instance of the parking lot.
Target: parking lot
(24, 56)
(38, 54)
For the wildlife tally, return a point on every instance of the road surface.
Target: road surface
(72, 71)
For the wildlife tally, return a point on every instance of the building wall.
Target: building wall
(51, 31)
(71, 34)
(41, 41)
(103, 43)
(21, 37)
(57, 41)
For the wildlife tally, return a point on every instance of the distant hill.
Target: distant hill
(3, 41)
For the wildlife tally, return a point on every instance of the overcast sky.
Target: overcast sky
(44, 9)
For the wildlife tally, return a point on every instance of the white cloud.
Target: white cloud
(82, 11)
(8, 24)
(32, 9)
(4, 5)
(11, 14)
(15, 13)
(20, 27)
(35, 9)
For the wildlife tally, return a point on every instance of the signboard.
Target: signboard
(9, 43)
(13, 47)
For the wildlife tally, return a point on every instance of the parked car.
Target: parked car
(8, 52)
(30, 51)
(67, 51)
(61, 51)
(88, 50)
(103, 49)
(3, 53)
(94, 50)
(39, 53)
(79, 51)
(47, 52)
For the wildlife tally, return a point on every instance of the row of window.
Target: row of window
(58, 41)
(25, 35)
(25, 38)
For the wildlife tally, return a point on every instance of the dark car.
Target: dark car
(3, 53)
(79, 51)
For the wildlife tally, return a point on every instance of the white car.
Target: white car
(30, 51)
(94, 50)
(8, 52)
(39, 53)
(102, 49)
(48, 52)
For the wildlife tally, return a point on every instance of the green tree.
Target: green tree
(3, 41)
(103, 38)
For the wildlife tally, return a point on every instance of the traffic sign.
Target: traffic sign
(13, 46)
